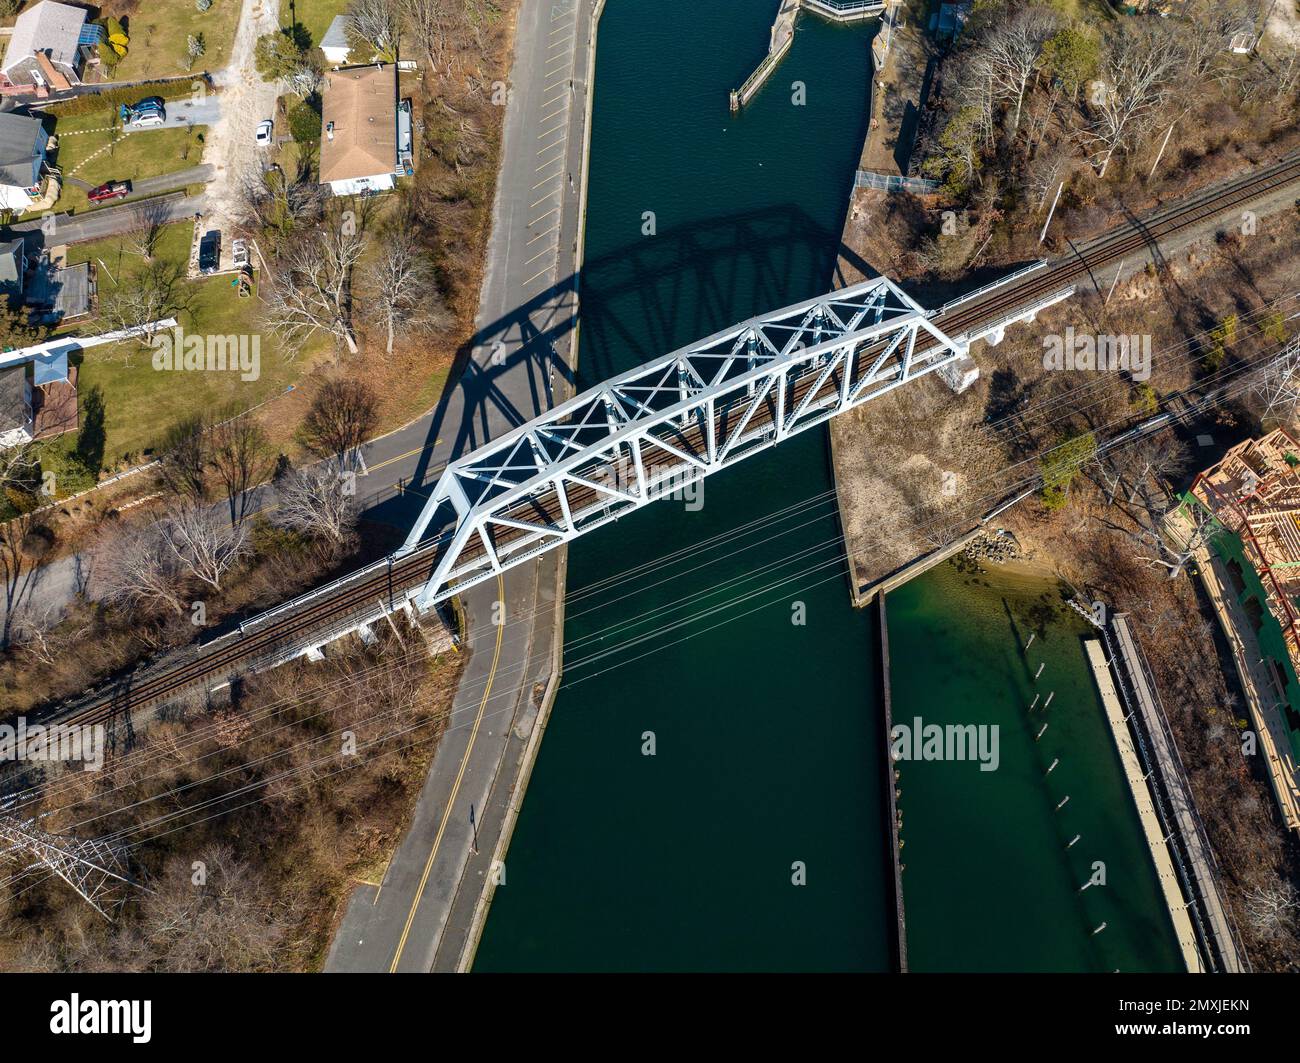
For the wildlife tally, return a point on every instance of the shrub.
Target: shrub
(304, 122)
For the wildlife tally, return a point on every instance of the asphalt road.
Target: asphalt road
(421, 912)
(106, 221)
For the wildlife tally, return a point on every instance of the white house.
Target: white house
(358, 150)
(22, 158)
(334, 45)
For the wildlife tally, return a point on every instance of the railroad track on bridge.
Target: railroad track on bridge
(337, 607)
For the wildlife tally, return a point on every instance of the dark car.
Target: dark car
(210, 252)
(109, 190)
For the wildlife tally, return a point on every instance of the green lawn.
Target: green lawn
(140, 401)
(93, 151)
(159, 31)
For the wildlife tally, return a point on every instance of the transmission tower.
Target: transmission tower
(96, 869)
(1278, 384)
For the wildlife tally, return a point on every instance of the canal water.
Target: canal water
(708, 793)
(991, 882)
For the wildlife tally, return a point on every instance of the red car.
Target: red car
(108, 190)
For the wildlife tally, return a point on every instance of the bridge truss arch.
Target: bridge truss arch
(649, 433)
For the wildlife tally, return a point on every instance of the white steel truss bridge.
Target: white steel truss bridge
(650, 432)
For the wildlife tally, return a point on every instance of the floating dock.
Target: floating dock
(1177, 825)
(1151, 827)
(891, 801)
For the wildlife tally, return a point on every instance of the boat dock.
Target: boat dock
(1185, 863)
(891, 780)
(1169, 885)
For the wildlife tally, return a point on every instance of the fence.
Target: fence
(884, 182)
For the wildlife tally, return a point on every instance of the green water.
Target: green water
(742, 661)
(989, 882)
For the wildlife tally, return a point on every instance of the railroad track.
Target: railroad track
(337, 607)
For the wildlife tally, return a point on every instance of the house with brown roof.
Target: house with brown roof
(358, 150)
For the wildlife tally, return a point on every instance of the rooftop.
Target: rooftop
(46, 27)
(19, 135)
(358, 123)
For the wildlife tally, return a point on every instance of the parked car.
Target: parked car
(210, 251)
(147, 112)
(109, 190)
(239, 254)
(264, 131)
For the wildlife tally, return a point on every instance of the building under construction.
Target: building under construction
(1252, 573)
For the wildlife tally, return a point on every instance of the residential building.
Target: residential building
(13, 268)
(60, 293)
(334, 45)
(50, 47)
(22, 160)
(16, 422)
(358, 151)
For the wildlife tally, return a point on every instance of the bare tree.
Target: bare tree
(311, 289)
(401, 295)
(230, 923)
(1139, 69)
(319, 502)
(239, 455)
(1012, 49)
(148, 219)
(377, 25)
(341, 417)
(1271, 910)
(203, 542)
(23, 542)
(184, 461)
(276, 202)
(39, 631)
(154, 293)
(20, 466)
(1126, 471)
(138, 569)
(431, 25)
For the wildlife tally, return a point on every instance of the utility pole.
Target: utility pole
(96, 869)
(1056, 199)
(1161, 152)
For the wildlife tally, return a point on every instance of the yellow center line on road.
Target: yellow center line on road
(451, 800)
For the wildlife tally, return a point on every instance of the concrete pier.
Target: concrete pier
(781, 39)
(891, 788)
(783, 36)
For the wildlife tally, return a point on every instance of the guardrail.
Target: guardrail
(846, 8)
(989, 287)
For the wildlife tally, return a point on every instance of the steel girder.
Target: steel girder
(650, 432)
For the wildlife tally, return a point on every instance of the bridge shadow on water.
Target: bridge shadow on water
(651, 296)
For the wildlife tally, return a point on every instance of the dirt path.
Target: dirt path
(1284, 22)
(245, 100)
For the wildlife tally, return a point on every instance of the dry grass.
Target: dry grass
(281, 856)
